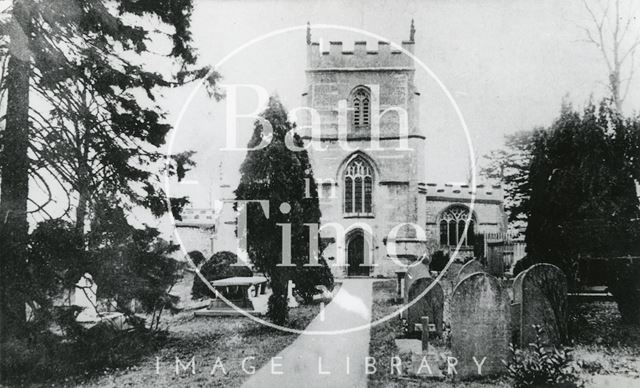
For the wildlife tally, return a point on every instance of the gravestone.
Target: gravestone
(237, 294)
(414, 273)
(400, 277)
(85, 296)
(480, 326)
(291, 300)
(516, 305)
(540, 298)
(472, 266)
(430, 305)
(495, 258)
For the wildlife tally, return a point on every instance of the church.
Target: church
(368, 159)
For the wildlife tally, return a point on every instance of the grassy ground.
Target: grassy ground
(606, 350)
(204, 339)
(230, 339)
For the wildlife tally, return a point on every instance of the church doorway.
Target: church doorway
(357, 251)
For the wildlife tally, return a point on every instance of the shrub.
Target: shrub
(197, 257)
(219, 266)
(439, 260)
(541, 366)
(307, 278)
(44, 355)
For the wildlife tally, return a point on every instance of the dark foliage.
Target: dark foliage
(307, 278)
(277, 174)
(439, 260)
(523, 264)
(197, 257)
(44, 356)
(624, 285)
(583, 201)
(541, 366)
(574, 184)
(219, 266)
(96, 126)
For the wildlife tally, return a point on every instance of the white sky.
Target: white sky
(508, 64)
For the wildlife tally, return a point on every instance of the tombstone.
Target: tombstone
(85, 296)
(480, 326)
(472, 266)
(412, 274)
(540, 298)
(291, 300)
(495, 258)
(400, 276)
(430, 305)
(516, 308)
(236, 290)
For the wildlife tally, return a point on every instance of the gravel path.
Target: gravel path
(336, 360)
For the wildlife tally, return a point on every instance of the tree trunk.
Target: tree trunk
(14, 189)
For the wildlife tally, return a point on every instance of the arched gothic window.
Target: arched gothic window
(452, 223)
(361, 104)
(358, 188)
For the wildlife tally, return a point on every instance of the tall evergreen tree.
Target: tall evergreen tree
(277, 174)
(583, 197)
(58, 48)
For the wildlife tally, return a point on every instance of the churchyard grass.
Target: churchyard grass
(606, 347)
(204, 338)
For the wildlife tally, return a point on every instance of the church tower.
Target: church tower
(367, 153)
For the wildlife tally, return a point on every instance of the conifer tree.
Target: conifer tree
(62, 57)
(277, 174)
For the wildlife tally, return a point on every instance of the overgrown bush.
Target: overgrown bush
(80, 352)
(219, 266)
(439, 260)
(197, 257)
(541, 366)
(307, 278)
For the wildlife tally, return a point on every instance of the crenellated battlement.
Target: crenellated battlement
(360, 57)
(462, 192)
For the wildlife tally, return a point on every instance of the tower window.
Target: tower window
(358, 188)
(360, 101)
(452, 222)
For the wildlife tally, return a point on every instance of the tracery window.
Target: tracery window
(358, 188)
(452, 222)
(361, 103)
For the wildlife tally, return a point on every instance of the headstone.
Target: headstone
(495, 258)
(85, 296)
(400, 275)
(540, 296)
(472, 266)
(414, 273)
(235, 293)
(480, 326)
(516, 305)
(430, 305)
(291, 300)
